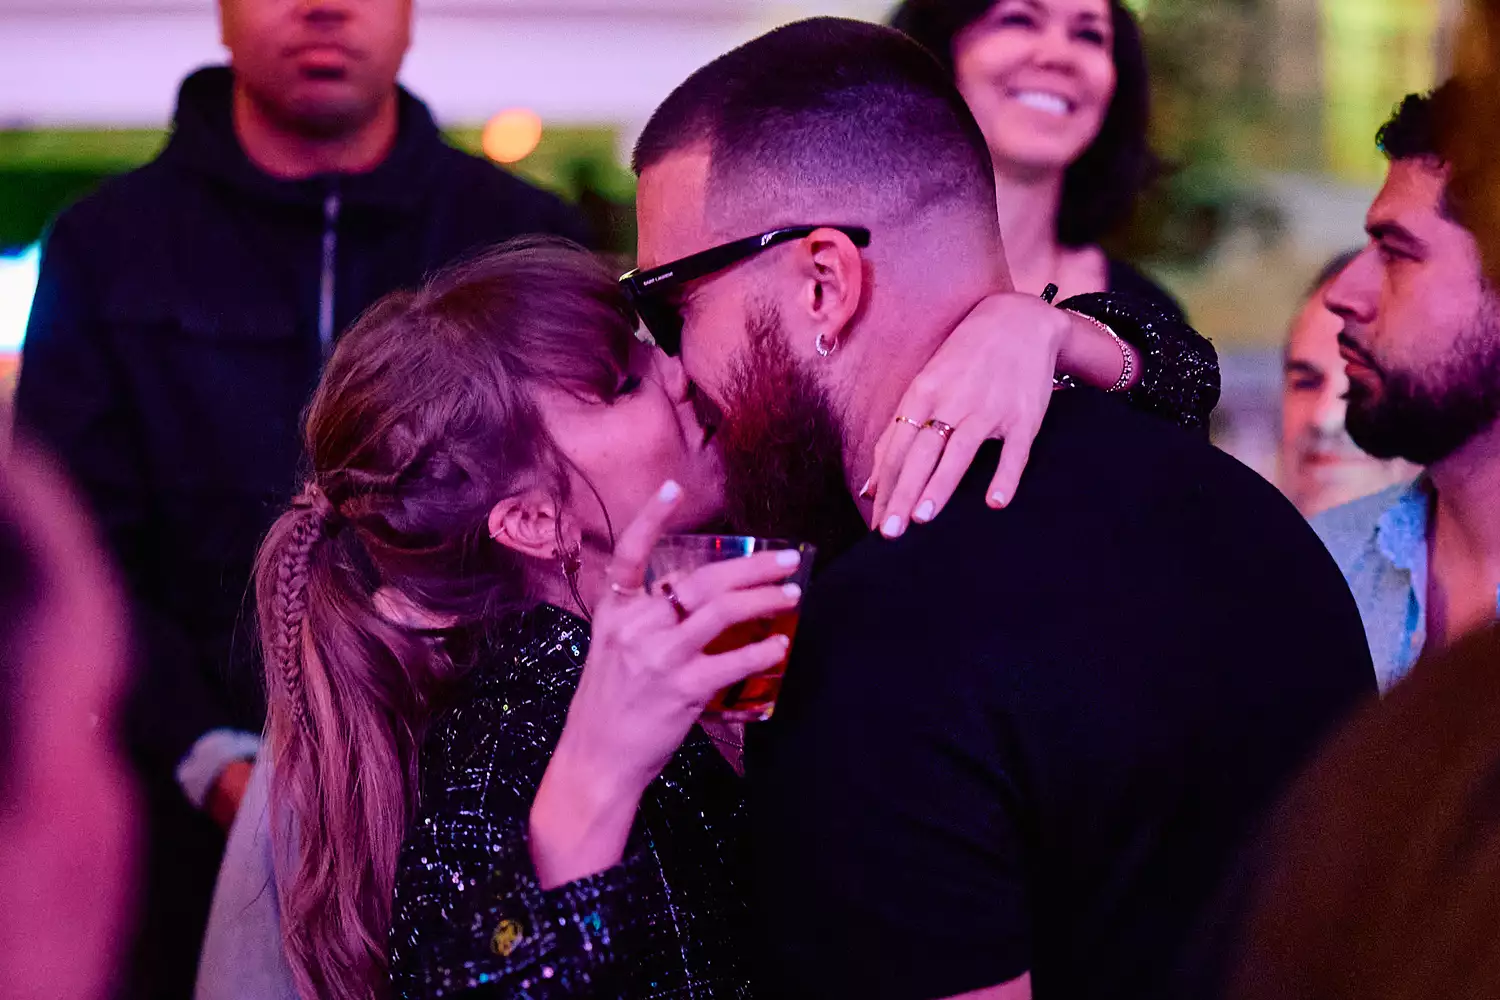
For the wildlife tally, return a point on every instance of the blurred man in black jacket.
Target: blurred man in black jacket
(180, 324)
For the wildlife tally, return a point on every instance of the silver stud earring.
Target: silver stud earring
(823, 349)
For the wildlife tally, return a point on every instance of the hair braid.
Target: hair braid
(290, 606)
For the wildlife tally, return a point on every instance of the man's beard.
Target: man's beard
(783, 453)
(1425, 416)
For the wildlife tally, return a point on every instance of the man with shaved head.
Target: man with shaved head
(1015, 748)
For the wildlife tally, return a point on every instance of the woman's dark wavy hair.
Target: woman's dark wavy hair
(1101, 187)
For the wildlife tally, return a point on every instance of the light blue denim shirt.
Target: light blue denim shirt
(242, 957)
(1380, 544)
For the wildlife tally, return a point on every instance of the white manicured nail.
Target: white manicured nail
(925, 512)
(792, 591)
(670, 491)
(790, 558)
(892, 526)
(998, 499)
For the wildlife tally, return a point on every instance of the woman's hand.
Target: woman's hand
(645, 683)
(991, 379)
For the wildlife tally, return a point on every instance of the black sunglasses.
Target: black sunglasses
(651, 292)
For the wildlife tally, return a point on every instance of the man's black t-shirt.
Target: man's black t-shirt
(1033, 739)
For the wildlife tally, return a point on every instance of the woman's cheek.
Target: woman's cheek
(1105, 83)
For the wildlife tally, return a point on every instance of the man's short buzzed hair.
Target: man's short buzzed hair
(822, 108)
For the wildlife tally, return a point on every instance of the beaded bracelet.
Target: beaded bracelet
(1127, 356)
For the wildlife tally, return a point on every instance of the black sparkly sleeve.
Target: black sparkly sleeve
(1179, 378)
(469, 917)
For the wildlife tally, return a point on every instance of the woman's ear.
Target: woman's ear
(529, 523)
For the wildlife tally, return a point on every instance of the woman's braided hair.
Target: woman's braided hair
(424, 420)
(290, 600)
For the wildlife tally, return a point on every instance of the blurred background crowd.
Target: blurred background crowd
(1263, 110)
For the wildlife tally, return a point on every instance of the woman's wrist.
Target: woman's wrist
(580, 820)
(1091, 353)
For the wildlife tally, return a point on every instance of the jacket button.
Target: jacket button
(508, 935)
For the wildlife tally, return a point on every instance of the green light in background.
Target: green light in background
(1375, 52)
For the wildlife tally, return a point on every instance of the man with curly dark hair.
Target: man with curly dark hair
(1421, 340)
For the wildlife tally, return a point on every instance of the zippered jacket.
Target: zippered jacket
(181, 322)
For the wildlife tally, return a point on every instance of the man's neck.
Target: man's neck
(877, 387)
(1464, 539)
(1028, 206)
(288, 155)
(865, 420)
(927, 273)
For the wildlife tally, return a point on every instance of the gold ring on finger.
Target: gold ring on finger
(944, 431)
(670, 593)
(909, 420)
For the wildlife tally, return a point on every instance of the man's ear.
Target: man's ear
(528, 523)
(832, 276)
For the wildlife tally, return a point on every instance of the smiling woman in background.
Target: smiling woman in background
(1060, 89)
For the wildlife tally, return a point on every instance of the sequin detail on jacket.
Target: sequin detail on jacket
(1179, 378)
(470, 918)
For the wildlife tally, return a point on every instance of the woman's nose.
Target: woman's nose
(674, 377)
(1055, 49)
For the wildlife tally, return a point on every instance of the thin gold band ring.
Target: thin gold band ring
(944, 431)
(670, 594)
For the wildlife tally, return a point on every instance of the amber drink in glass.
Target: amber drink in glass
(675, 556)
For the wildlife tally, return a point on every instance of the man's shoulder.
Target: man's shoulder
(135, 200)
(1105, 487)
(1098, 457)
(1349, 531)
(1094, 421)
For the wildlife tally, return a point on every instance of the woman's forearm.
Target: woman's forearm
(1177, 370)
(580, 821)
(1093, 357)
